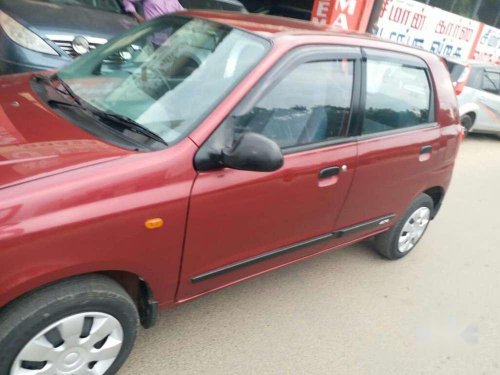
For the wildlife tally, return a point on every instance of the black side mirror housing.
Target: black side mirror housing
(253, 152)
(250, 152)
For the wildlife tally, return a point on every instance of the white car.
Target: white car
(477, 86)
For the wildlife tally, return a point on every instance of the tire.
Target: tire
(71, 315)
(388, 243)
(467, 123)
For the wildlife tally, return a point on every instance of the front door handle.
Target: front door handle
(329, 172)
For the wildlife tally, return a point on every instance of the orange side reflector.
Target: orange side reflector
(155, 223)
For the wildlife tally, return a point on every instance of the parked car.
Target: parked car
(230, 5)
(48, 34)
(477, 86)
(221, 147)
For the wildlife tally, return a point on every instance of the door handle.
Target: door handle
(329, 172)
(426, 150)
(425, 153)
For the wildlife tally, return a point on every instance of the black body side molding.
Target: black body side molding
(297, 246)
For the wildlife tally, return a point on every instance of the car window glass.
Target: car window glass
(397, 96)
(474, 79)
(310, 104)
(491, 82)
(166, 74)
(455, 70)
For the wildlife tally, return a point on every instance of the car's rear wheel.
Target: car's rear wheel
(404, 236)
(83, 325)
(467, 123)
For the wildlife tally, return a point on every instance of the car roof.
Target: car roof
(483, 64)
(472, 63)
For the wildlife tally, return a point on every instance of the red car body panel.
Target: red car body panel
(390, 164)
(35, 141)
(86, 202)
(232, 212)
(93, 219)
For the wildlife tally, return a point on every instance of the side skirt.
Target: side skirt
(295, 247)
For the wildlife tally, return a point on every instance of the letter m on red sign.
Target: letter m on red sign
(343, 14)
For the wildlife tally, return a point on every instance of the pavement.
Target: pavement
(436, 311)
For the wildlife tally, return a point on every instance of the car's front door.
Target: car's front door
(242, 223)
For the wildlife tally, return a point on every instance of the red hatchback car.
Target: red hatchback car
(193, 152)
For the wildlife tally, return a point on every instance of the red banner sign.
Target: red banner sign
(343, 14)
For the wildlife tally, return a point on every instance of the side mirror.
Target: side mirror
(253, 152)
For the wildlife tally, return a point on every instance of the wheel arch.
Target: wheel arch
(437, 194)
(472, 115)
(136, 287)
(469, 109)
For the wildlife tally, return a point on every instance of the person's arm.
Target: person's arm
(129, 6)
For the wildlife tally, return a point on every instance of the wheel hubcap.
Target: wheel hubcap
(413, 229)
(80, 344)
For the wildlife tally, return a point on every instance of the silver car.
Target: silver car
(477, 86)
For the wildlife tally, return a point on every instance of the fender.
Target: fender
(20, 288)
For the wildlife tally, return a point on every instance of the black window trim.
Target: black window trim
(288, 62)
(304, 55)
(408, 129)
(404, 59)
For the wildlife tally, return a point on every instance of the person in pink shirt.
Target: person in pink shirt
(151, 8)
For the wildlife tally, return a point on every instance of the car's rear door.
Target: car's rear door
(242, 223)
(398, 139)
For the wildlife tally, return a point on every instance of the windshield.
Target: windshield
(166, 74)
(107, 5)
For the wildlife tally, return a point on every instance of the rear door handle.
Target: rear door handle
(426, 150)
(425, 153)
(329, 172)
